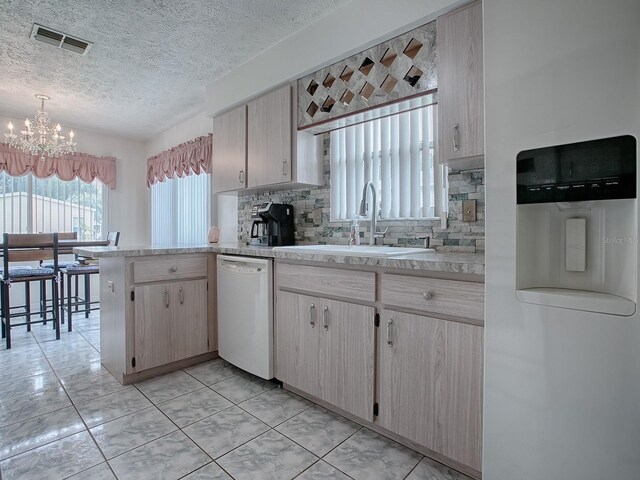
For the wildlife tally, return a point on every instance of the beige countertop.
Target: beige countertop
(470, 263)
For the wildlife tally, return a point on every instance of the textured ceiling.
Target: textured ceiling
(150, 61)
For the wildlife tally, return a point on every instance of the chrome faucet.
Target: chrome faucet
(374, 233)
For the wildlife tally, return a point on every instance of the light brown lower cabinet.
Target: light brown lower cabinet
(170, 322)
(430, 384)
(152, 322)
(326, 348)
(297, 342)
(157, 313)
(422, 374)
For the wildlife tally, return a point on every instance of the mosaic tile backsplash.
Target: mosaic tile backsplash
(312, 212)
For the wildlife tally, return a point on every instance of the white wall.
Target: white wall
(562, 388)
(197, 126)
(128, 204)
(353, 27)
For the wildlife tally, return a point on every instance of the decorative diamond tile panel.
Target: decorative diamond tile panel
(402, 67)
(413, 75)
(312, 109)
(347, 97)
(328, 104)
(367, 91)
(313, 86)
(347, 73)
(328, 81)
(388, 58)
(413, 48)
(366, 66)
(389, 83)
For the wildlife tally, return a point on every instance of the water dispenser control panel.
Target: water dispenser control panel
(603, 169)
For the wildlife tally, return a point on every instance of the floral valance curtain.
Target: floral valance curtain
(190, 157)
(67, 167)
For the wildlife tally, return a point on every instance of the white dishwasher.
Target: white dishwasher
(245, 313)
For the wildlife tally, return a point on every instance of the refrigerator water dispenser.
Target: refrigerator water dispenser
(577, 226)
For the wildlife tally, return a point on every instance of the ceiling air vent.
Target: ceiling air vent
(59, 39)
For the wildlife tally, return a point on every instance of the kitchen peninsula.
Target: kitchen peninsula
(422, 313)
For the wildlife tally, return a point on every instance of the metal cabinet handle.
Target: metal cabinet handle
(427, 296)
(456, 137)
(312, 310)
(166, 298)
(325, 320)
(241, 177)
(389, 341)
(284, 168)
(173, 269)
(181, 296)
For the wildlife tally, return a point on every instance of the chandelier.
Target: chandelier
(39, 137)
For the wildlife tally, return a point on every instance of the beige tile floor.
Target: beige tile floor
(62, 415)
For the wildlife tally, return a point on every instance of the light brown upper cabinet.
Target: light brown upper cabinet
(229, 159)
(257, 145)
(269, 138)
(460, 87)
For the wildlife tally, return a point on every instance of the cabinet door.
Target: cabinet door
(153, 319)
(460, 85)
(189, 329)
(269, 138)
(430, 384)
(296, 340)
(229, 155)
(347, 349)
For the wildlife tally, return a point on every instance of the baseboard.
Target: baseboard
(168, 368)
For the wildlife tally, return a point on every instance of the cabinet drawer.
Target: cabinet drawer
(170, 267)
(448, 297)
(328, 281)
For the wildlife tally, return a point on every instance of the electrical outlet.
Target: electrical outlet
(469, 211)
(111, 287)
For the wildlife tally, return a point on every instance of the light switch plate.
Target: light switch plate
(469, 211)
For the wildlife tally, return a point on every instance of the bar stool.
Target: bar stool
(24, 248)
(61, 265)
(86, 267)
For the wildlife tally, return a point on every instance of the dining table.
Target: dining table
(65, 247)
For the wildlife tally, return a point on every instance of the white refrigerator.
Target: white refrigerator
(562, 386)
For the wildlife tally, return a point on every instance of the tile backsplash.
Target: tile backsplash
(312, 210)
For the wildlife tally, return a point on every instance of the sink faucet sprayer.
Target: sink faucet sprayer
(374, 233)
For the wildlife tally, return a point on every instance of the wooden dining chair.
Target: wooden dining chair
(28, 248)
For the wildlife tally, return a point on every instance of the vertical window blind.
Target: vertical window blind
(396, 153)
(44, 205)
(180, 210)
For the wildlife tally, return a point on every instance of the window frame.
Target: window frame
(440, 183)
(31, 193)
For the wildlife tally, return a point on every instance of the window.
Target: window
(396, 153)
(34, 205)
(180, 210)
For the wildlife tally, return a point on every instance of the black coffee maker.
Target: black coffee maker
(272, 225)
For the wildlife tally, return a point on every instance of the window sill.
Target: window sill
(386, 221)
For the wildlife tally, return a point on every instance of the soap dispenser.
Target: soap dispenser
(354, 234)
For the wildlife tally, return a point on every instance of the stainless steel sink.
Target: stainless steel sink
(353, 250)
